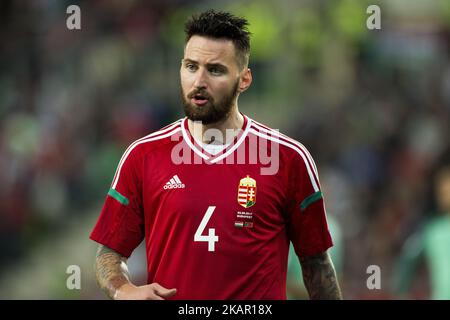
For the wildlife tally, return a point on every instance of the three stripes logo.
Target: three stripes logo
(174, 183)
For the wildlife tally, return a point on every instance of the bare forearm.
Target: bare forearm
(110, 270)
(320, 277)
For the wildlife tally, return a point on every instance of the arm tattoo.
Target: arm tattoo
(111, 270)
(320, 277)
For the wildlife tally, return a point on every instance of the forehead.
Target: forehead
(207, 50)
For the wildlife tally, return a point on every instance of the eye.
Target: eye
(190, 66)
(216, 71)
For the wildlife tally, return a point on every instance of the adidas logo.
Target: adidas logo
(174, 183)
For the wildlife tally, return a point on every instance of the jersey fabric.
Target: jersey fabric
(216, 226)
(435, 245)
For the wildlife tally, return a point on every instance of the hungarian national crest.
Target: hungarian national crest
(247, 192)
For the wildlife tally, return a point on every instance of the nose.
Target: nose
(200, 79)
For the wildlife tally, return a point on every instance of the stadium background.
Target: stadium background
(372, 106)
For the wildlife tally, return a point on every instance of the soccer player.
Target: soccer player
(216, 219)
(429, 245)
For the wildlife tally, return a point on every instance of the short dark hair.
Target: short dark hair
(222, 25)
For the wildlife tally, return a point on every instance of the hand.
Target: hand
(152, 291)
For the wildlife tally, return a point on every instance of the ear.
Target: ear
(245, 80)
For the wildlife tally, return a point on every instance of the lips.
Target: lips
(199, 99)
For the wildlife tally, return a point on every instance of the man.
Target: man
(429, 245)
(216, 226)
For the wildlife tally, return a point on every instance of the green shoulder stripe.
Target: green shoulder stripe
(116, 195)
(312, 198)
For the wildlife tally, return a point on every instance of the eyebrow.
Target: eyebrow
(208, 64)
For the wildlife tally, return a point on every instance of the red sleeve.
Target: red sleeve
(307, 222)
(120, 225)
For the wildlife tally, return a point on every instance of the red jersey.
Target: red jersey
(216, 226)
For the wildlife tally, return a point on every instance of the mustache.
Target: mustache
(201, 92)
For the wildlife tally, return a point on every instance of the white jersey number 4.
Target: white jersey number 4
(211, 238)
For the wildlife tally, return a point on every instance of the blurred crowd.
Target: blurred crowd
(372, 106)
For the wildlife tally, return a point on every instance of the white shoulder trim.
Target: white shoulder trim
(158, 135)
(312, 177)
(288, 139)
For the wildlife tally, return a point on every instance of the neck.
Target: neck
(219, 132)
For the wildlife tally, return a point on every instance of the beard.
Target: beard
(213, 111)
